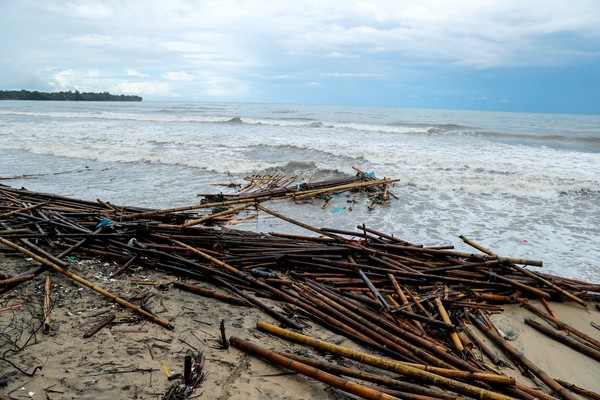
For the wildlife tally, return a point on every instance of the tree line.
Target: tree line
(65, 96)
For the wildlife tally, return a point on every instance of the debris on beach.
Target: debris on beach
(417, 312)
(266, 187)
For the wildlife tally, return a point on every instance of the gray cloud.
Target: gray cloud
(226, 49)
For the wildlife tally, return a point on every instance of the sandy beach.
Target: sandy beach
(128, 358)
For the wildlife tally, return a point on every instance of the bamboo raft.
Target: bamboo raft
(413, 308)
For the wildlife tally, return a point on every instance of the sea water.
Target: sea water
(523, 185)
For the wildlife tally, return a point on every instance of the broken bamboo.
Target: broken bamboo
(84, 282)
(390, 365)
(315, 373)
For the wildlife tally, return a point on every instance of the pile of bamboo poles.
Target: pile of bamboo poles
(279, 186)
(418, 307)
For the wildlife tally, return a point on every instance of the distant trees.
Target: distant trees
(65, 96)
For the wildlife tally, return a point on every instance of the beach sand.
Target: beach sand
(127, 360)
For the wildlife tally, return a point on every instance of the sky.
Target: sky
(500, 55)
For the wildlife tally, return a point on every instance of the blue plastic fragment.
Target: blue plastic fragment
(105, 222)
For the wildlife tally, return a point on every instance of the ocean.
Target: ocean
(523, 185)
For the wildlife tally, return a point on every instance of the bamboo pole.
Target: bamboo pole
(315, 373)
(210, 293)
(574, 388)
(482, 346)
(253, 300)
(278, 293)
(547, 306)
(429, 321)
(46, 305)
(215, 215)
(357, 185)
(365, 376)
(422, 342)
(524, 361)
(520, 286)
(549, 284)
(446, 318)
(371, 331)
(562, 325)
(84, 282)
(460, 254)
(301, 224)
(16, 279)
(566, 340)
(388, 364)
(526, 272)
(21, 210)
(404, 301)
(372, 289)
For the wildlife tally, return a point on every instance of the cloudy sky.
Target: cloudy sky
(514, 55)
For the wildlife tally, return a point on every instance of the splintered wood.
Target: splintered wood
(417, 311)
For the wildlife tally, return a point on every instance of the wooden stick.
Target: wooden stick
(46, 306)
(13, 307)
(187, 370)
(96, 328)
(224, 342)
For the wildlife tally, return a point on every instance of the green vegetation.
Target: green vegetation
(65, 96)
